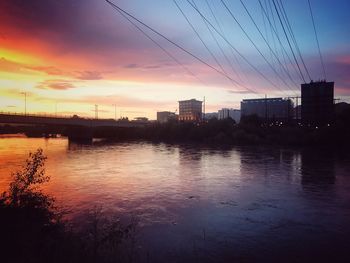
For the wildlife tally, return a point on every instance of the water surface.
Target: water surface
(203, 204)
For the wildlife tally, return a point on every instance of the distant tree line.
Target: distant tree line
(250, 130)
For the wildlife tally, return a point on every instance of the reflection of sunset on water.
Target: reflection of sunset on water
(150, 178)
(176, 191)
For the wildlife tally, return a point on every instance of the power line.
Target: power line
(256, 47)
(200, 38)
(160, 46)
(291, 33)
(233, 54)
(218, 44)
(261, 34)
(290, 46)
(271, 31)
(286, 20)
(277, 51)
(318, 44)
(274, 29)
(170, 41)
(235, 49)
(267, 35)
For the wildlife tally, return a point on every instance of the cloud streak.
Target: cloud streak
(15, 67)
(55, 84)
(89, 75)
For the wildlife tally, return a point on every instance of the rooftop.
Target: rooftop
(263, 100)
(194, 100)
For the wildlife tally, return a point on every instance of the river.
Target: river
(202, 204)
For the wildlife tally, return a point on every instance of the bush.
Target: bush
(28, 218)
(31, 229)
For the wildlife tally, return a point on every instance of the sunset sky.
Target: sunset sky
(69, 55)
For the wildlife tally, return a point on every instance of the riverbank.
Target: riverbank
(250, 131)
(226, 132)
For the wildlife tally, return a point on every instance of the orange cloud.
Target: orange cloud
(89, 75)
(55, 84)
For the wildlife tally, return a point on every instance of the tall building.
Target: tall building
(269, 109)
(317, 103)
(165, 116)
(190, 110)
(229, 113)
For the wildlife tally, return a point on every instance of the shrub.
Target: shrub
(31, 229)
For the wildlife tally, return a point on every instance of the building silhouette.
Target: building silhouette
(317, 103)
(225, 113)
(272, 109)
(141, 119)
(190, 110)
(211, 115)
(165, 116)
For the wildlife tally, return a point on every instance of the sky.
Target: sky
(69, 55)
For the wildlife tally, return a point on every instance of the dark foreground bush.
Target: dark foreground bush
(32, 229)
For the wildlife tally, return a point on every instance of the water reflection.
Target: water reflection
(317, 170)
(245, 197)
(77, 146)
(187, 154)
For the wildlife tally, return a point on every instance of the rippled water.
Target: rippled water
(200, 204)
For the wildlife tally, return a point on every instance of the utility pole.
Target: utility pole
(297, 110)
(203, 109)
(265, 109)
(96, 111)
(25, 103)
(288, 110)
(115, 111)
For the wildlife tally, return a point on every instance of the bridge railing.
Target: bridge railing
(53, 116)
(47, 115)
(70, 119)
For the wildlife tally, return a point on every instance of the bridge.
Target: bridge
(74, 127)
(36, 119)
